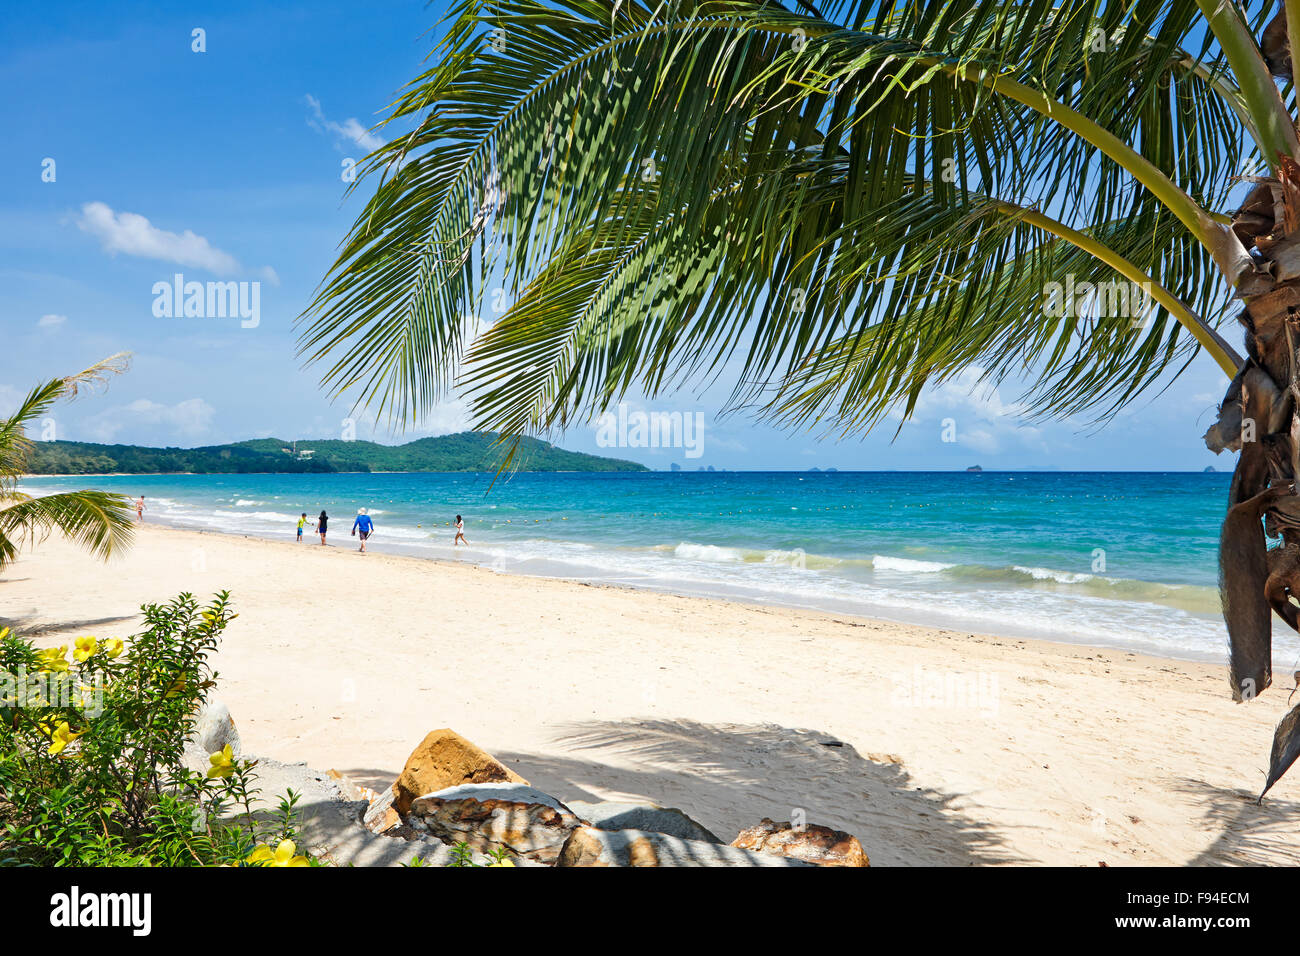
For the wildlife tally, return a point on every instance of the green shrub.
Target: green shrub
(462, 855)
(92, 769)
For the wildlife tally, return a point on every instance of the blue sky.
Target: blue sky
(226, 165)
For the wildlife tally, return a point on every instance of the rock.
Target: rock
(589, 846)
(379, 816)
(486, 816)
(446, 759)
(214, 728)
(811, 843)
(328, 824)
(610, 815)
(351, 789)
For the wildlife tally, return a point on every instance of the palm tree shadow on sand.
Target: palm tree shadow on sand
(729, 776)
(1250, 834)
(33, 626)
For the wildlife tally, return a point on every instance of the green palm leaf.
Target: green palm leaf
(95, 520)
(98, 521)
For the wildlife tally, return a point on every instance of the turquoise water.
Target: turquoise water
(1125, 560)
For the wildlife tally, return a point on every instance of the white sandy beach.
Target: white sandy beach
(1035, 753)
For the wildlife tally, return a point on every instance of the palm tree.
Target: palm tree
(835, 203)
(96, 520)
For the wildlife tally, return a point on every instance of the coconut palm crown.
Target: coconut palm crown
(832, 205)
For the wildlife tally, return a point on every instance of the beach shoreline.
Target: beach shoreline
(745, 600)
(860, 545)
(931, 746)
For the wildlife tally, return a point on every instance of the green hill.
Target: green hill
(466, 451)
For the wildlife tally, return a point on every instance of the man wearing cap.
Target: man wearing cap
(363, 525)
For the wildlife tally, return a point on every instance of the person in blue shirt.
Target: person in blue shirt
(362, 527)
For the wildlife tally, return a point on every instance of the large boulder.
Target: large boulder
(446, 759)
(610, 815)
(588, 846)
(811, 843)
(486, 816)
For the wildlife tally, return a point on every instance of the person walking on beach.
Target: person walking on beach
(139, 509)
(301, 522)
(363, 526)
(321, 524)
(460, 532)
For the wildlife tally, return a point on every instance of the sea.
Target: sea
(1120, 560)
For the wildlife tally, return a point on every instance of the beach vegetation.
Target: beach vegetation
(463, 452)
(99, 521)
(462, 855)
(93, 768)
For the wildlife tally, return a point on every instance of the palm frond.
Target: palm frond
(928, 290)
(654, 184)
(14, 444)
(98, 521)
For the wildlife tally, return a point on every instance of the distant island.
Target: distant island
(466, 451)
(974, 468)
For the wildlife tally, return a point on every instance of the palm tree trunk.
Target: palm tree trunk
(1259, 417)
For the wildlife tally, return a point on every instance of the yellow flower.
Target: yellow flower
(282, 855)
(86, 646)
(53, 659)
(502, 863)
(223, 763)
(61, 737)
(114, 646)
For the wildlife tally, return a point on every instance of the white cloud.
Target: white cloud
(134, 235)
(51, 321)
(188, 419)
(984, 421)
(981, 439)
(447, 418)
(349, 132)
(716, 441)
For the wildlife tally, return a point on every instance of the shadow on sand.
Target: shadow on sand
(33, 627)
(730, 776)
(1251, 834)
